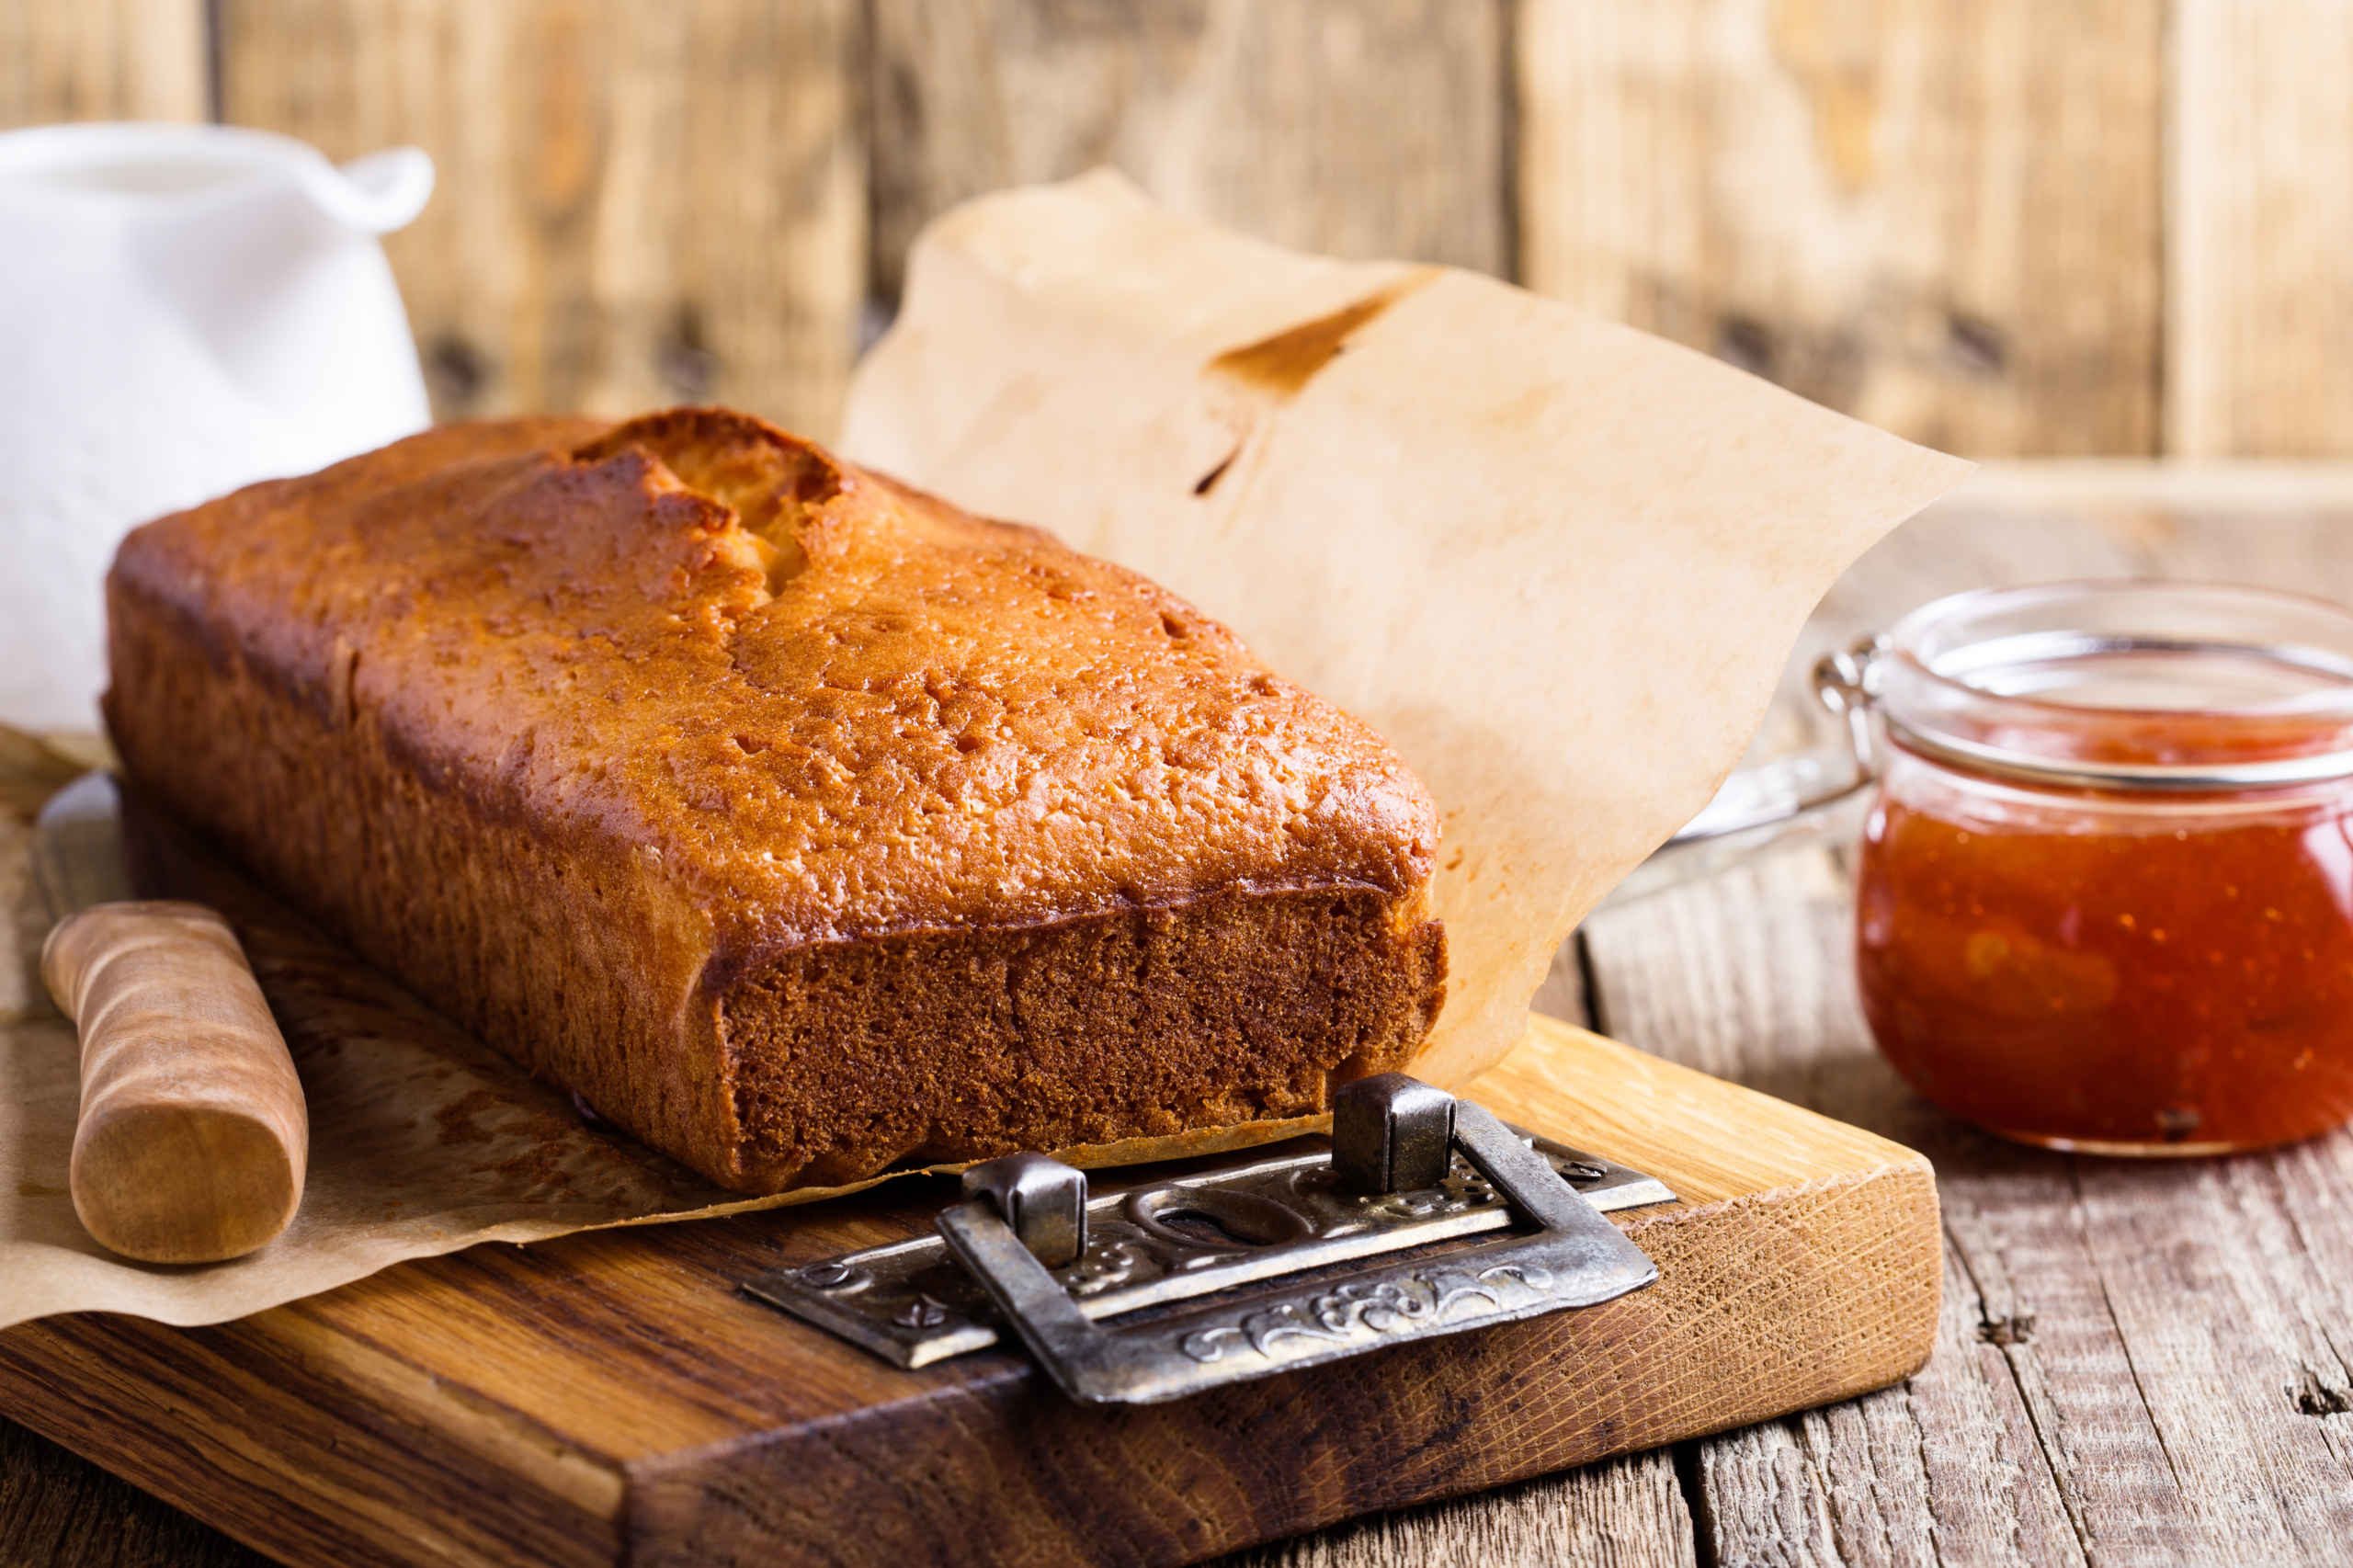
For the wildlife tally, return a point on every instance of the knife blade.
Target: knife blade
(192, 1141)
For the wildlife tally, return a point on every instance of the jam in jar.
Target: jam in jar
(2104, 898)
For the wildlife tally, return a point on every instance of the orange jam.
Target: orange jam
(2088, 921)
(2144, 983)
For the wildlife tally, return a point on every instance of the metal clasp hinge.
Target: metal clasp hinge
(1411, 1167)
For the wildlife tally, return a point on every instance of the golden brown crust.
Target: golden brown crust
(601, 735)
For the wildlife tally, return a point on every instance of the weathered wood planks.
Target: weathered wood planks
(2259, 218)
(638, 205)
(1625, 1513)
(2003, 228)
(102, 60)
(1942, 218)
(1360, 128)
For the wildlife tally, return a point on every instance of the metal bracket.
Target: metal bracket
(1138, 1253)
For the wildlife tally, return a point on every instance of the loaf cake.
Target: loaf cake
(800, 823)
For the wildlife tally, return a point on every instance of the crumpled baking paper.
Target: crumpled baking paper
(1556, 562)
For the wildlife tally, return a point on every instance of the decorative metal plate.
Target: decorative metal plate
(914, 1303)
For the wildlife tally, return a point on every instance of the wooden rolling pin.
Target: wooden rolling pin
(193, 1138)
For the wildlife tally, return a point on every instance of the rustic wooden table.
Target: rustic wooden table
(2137, 1363)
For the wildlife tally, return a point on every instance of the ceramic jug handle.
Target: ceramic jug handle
(377, 194)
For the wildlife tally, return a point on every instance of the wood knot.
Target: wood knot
(2016, 1329)
(2314, 1397)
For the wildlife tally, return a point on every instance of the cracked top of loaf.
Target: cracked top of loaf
(827, 706)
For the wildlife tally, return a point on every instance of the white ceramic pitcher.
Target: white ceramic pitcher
(183, 310)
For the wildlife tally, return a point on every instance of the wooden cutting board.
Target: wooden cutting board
(612, 1397)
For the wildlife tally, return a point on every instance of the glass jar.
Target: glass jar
(2104, 898)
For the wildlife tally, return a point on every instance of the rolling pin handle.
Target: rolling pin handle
(193, 1138)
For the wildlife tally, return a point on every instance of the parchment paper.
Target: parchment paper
(1559, 564)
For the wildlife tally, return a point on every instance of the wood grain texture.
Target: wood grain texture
(611, 1392)
(1626, 1513)
(102, 60)
(59, 1511)
(2259, 216)
(1942, 216)
(1359, 128)
(638, 205)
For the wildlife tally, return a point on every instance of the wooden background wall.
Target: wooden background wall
(2005, 227)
